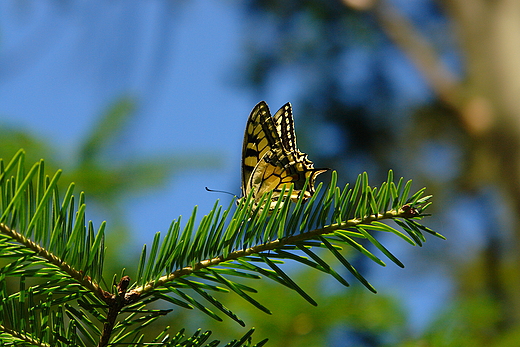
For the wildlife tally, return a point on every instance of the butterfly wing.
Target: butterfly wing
(277, 169)
(260, 137)
(284, 123)
(270, 158)
(299, 167)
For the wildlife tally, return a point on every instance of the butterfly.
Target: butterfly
(271, 161)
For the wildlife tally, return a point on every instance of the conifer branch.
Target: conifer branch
(19, 336)
(43, 236)
(404, 212)
(85, 281)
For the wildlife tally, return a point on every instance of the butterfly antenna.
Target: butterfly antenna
(219, 191)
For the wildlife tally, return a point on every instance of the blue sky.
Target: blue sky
(63, 63)
(61, 66)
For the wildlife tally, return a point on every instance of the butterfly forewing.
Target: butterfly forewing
(259, 138)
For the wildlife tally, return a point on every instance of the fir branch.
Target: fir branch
(404, 212)
(85, 281)
(17, 336)
(50, 239)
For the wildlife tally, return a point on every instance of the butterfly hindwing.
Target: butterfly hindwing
(284, 122)
(298, 161)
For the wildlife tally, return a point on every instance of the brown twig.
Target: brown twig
(114, 308)
(421, 53)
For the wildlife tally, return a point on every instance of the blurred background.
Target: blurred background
(143, 104)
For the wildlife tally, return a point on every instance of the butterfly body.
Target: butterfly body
(270, 159)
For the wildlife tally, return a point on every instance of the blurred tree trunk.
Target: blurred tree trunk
(487, 103)
(490, 110)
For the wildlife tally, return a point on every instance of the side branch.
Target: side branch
(405, 212)
(23, 337)
(85, 281)
(402, 32)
